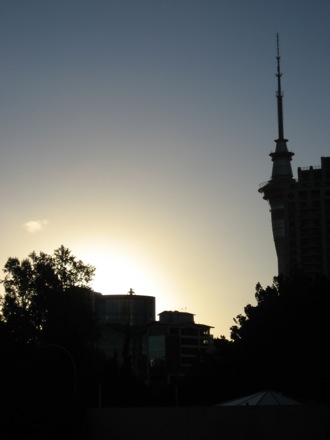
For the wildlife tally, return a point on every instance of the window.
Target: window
(189, 331)
(189, 341)
(174, 331)
(156, 347)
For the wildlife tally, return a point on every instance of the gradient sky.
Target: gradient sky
(136, 133)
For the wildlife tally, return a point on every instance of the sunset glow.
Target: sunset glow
(136, 134)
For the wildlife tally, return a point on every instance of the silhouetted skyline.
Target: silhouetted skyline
(136, 134)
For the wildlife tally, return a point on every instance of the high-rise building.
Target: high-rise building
(175, 344)
(123, 320)
(300, 209)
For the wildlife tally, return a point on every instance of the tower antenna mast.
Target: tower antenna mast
(279, 93)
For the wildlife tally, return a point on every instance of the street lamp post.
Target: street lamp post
(72, 361)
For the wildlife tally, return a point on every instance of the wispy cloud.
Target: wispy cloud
(34, 226)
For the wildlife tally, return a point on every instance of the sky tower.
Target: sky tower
(274, 190)
(300, 209)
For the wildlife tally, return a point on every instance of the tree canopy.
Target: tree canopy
(47, 297)
(283, 341)
(49, 360)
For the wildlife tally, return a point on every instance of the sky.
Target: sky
(136, 134)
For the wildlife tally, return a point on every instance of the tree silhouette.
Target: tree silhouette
(283, 341)
(47, 297)
(47, 338)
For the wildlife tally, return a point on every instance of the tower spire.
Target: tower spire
(279, 94)
(282, 156)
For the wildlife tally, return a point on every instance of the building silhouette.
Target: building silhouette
(154, 350)
(123, 321)
(175, 345)
(300, 209)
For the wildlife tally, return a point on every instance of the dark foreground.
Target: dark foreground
(196, 423)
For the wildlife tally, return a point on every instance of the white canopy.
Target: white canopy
(262, 398)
